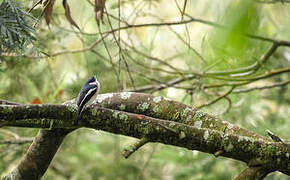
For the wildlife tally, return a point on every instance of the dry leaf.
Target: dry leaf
(68, 15)
(99, 10)
(48, 7)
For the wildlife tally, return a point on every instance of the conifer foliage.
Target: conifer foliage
(16, 29)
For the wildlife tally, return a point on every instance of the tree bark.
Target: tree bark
(35, 162)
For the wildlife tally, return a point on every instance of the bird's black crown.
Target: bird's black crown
(91, 79)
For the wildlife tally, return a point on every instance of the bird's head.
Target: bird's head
(92, 81)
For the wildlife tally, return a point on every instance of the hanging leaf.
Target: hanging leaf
(99, 10)
(48, 7)
(68, 15)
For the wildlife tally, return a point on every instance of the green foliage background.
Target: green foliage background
(89, 154)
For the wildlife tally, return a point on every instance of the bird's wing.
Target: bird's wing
(86, 95)
(82, 94)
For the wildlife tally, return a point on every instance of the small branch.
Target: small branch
(37, 3)
(163, 62)
(128, 151)
(276, 43)
(60, 52)
(159, 87)
(183, 10)
(217, 99)
(187, 44)
(254, 78)
(279, 84)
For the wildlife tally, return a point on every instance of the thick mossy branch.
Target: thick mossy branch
(161, 120)
(163, 108)
(35, 162)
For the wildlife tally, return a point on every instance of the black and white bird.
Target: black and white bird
(86, 96)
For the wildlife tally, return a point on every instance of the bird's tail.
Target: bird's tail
(78, 116)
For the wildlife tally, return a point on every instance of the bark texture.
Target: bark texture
(35, 162)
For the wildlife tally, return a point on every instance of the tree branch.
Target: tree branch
(141, 115)
(39, 155)
(278, 84)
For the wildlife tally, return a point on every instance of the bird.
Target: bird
(86, 96)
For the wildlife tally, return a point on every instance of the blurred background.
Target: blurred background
(143, 45)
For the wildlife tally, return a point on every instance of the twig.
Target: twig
(110, 58)
(128, 151)
(183, 11)
(120, 52)
(255, 78)
(153, 58)
(59, 53)
(188, 45)
(164, 85)
(37, 3)
(279, 84)
(217, 99)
